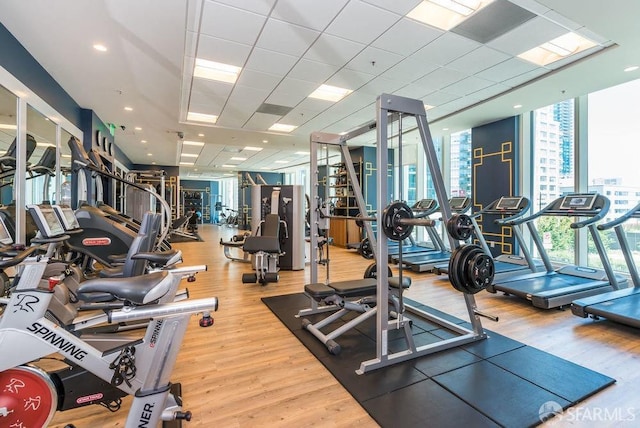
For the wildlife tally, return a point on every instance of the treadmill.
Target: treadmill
(554, 288)
(623, 305)
(426, 262)
(508, 208)
(421, 209)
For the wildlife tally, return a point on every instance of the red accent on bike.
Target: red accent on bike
(26, 398)
(96, 242)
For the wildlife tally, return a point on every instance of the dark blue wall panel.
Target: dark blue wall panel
(494, 173)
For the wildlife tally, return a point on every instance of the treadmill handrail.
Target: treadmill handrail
(624, 217)
(596, 218)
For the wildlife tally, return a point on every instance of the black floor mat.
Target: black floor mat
(494, 382)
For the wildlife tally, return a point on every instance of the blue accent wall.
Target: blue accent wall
(18, 61)
(494, 173)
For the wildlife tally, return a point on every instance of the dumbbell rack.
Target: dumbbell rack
(389, 107)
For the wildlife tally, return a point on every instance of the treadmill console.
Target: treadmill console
(67, 217)
(46, 220)
(5, 237)
(508, 203)
(458, 204)
(583, 202)
(425, 205)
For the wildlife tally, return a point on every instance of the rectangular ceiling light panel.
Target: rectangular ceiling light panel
(446, 14)
(218, 71)
(281, 127)
(330, 93)
(193, 143)
(201, 117)
(557, 49)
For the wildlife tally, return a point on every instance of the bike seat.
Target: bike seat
(139, 290)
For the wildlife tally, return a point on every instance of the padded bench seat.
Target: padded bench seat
(351, 288)
(268, 244)
(232, 244)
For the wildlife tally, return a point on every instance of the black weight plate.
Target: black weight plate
(392, 217)
(467, 280)
(365, 249)
(456, 269)
(359, 221)
(479, 271)
(372, 271)
(460, 227)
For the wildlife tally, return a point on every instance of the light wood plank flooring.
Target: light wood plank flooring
(249, 371)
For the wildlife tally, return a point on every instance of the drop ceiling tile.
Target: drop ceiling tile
(247, 98)
(361, 22)
(211, 88)
(572, 58)
(258, 6)
(506, 70)
(261, 121)
(270, 62)
(410, 69)
(380, 85)
(440, 78)
(312, 14)
(401, 7)
(413, 91)
(230, 23)
(406, 37)
(525, 77)
(488, 92)
(467, 86)
(585, 32)
(531, 6)
(291, 92)
(350, 79)
(529, 35)
(257, 80)
(561, 20)
(311, 106)
(225, 51)
(280, 36)
(374, 61)
(439, 98)
(207, 98)
(478, 60)
(333, 50)
(205, 107)
(445, 49)
(312, 71)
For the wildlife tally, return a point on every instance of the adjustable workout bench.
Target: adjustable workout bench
(266, 250)
(356, 295)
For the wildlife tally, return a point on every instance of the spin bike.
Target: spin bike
(141, 367)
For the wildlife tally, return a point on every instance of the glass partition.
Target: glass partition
(41, 163)
(8, 106)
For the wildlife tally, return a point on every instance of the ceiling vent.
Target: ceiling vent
(274, 109)
(498, 18)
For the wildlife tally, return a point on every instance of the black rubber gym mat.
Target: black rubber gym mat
(494, 382)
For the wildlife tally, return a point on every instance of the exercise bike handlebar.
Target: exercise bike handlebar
(18, 258)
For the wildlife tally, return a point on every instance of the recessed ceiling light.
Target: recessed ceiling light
(153, 163)
(189, 155)
(128, 108)
(302, 153)
(149, 154)
(65, 156)
(137, 128)
(556, 49)
(100, 47)
(264, 167)
(195, 169)
(238, 158)
(428, 107)
(229, 166)
(517, 106)
(193, 143)
(143, 141)
(281, 127)
(265, 141)
(330, 93)
(7, 126)
(632, 68)
(201, 117)
(186, 163)
(216, 71)
(200, 135)
(446, 14)
(281, 161)
(445, 129)
(252, 149)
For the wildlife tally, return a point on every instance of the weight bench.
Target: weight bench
(355, 295)
(265, 249)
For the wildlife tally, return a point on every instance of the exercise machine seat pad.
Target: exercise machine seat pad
(268, 244)
(138, 290)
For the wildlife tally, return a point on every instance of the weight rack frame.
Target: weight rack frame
(388, 107)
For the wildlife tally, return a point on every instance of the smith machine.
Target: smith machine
(395, 221)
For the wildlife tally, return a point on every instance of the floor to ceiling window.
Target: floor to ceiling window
(614, 156)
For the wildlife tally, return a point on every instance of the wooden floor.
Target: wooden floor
(248, 370)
